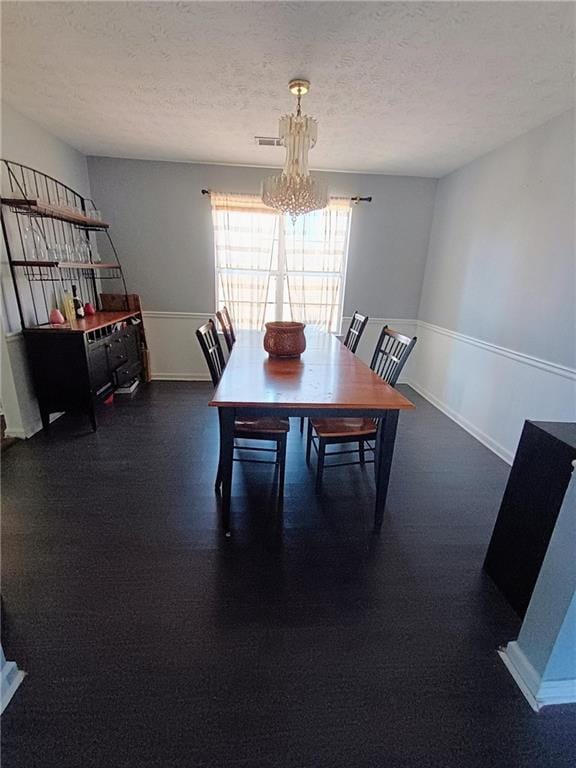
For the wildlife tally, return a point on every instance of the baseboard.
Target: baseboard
(522, 671)
(159, 376)
(170, 332)
(31, 429)
(537, 693)
(19, 434)
(482, 437)
(557, 692)
(10, 682)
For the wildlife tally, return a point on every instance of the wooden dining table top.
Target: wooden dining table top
(326, 376)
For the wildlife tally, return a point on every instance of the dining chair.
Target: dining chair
(390, 355)
(227, 327)
(351, 340)
(264, 430)
(355, 331)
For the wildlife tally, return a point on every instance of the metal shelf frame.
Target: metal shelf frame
(38, 213)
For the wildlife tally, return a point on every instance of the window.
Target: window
(268, 268)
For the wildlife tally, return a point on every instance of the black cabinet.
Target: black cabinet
(74, 368)
(538, 481)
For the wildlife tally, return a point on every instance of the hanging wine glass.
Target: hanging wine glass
(96, 259)
(52, 253)
(33, 243)
(83, 252)
(41, 248)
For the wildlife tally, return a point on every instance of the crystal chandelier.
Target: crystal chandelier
(295, 191)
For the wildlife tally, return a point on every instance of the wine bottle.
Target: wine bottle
(78, 307)
(68, 307)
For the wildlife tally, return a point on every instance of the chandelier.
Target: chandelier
(295, 191)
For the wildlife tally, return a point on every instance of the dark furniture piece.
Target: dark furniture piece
(355, 331)
(49, 232)
(75, 367)
(390, 355)
(351, 340)
(328, 380)
(266, 430)
(227, 327)
(536, 486)
(207, 336)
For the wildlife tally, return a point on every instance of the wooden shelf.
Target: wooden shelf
(65, 264)
(91, 323)
(31, 207)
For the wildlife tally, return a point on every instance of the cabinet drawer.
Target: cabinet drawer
(126, 373)
(116, 351)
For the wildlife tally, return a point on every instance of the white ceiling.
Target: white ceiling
(403, 88)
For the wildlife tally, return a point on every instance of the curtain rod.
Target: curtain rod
(356, 199)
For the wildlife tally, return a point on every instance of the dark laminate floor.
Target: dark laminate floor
(151, 641)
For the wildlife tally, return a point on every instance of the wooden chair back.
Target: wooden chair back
(227, 327)
(391, 353)
(355, 331)
(207, 336)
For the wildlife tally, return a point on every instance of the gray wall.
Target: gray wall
(501, 262)
(24, 141)
(162, 227)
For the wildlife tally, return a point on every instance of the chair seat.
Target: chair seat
(344, 427)
(273, 426)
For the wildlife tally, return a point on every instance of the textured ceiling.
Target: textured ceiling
(404, 88)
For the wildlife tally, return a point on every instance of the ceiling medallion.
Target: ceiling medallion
(295, 191)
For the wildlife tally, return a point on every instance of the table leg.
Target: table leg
(227, 419)
(383, 462)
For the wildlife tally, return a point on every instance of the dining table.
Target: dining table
(327, 380)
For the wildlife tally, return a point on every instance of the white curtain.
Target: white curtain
(246, 252)
(316, 247)
(268, 267)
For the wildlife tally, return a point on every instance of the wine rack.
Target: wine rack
(51, 239)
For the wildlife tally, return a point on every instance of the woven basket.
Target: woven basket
(284, 339)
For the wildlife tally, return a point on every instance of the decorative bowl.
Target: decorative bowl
(284, 339)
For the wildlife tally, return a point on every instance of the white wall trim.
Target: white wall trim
(521, 357)
(482, 437)
(177, 315)
(538, 693)
(487, 389)
(176, 357)
(557, 692)
(31, 428)
(11, 678)
(381, 321)
(522, 671)
(201, 315)
(160, 376)
(14, 337)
